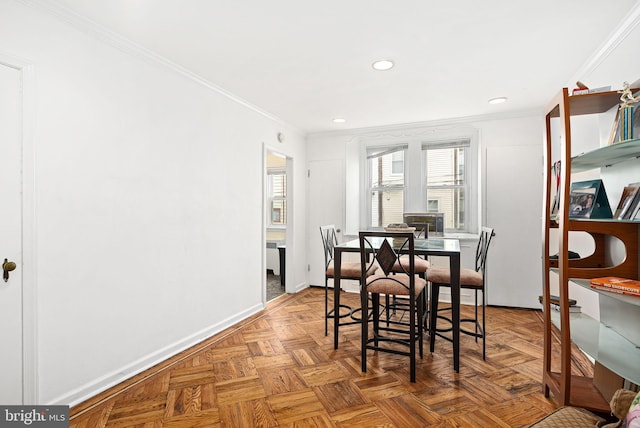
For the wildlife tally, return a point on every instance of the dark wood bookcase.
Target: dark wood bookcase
(606, 344)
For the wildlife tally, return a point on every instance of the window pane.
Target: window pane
(397, 163)
(386, 207)
(446, 183)
(382, 174)
(451, 203)
(386, 188)
(445, 167)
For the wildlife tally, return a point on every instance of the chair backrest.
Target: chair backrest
(422, 230)
(483, 249)
(329, 241)
(385, 249)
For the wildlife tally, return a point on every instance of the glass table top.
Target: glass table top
(441, 245)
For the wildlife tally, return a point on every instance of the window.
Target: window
(277, 188)
(385, 185)
(447, 182)
(422, 170)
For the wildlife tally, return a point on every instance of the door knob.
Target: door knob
(7, 267)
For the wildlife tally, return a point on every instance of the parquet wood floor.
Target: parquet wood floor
(277, 369)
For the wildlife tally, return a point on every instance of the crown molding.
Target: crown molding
(412, 128)
(617, 36)
(105, 35)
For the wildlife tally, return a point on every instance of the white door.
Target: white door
(10, 236)
(514, 210)
(326, 206)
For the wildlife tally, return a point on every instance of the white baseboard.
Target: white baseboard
(109, 380)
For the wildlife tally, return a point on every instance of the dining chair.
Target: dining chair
(348, 271)
(385, 249)
(473, 279)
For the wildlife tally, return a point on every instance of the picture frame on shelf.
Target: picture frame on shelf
(588, 200)
(628, 201)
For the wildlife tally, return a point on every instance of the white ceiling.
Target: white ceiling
(307, 62)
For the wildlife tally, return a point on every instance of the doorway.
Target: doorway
(18, 368)
(276, 222)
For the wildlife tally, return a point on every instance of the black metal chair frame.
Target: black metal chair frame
(480, 266)
(385, 257)
(329, 241)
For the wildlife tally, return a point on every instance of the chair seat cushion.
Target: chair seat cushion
(349, 270)
(394, 284)
(468, 277)
(420, 265)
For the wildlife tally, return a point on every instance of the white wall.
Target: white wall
(149, 193)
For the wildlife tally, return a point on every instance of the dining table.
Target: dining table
(444, 247)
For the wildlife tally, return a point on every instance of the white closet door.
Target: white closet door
(514, 184)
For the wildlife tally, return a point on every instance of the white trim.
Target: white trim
(617, 36)
(117, 376)
(417, 128)
(29, 236)
(101, 33)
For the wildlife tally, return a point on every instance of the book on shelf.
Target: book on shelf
(555, 300)
(629, 202)
(614, 290)
(588, 199)
(617, 283)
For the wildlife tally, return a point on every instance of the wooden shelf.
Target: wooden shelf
(588, 103)
(612, 340)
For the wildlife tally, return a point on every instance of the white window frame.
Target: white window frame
(415, 195)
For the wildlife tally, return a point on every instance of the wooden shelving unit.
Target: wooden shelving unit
(605, 343)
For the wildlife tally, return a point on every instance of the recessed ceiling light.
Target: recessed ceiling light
(498, 100)
(339, 120)
(383, 65)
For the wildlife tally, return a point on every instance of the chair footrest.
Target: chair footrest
(343, 315)
(478, 334)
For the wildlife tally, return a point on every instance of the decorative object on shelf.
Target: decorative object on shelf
(588, 199)
(570, 255)
(556, 197)
(629, 200)
(627, 98)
